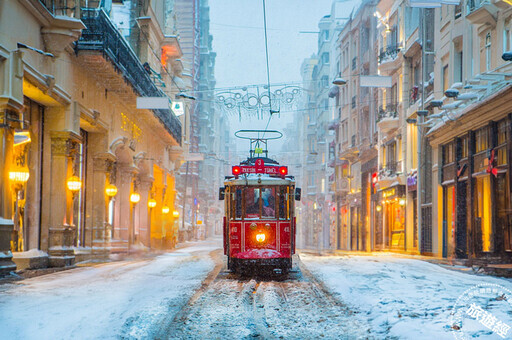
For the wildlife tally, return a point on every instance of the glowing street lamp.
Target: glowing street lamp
(135, 198)
(176, 214)
(74, 184)
(111, 190)
(165, 209)
(152, 203)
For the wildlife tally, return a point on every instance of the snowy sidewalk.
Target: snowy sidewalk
(121, 299)
(399, 297)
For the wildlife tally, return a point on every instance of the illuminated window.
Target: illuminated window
(483, 211)
(482, 139)
(449, 214)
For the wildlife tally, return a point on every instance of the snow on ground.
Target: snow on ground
(399, 297)
(124, 299)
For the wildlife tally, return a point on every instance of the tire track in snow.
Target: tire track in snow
(297, 306)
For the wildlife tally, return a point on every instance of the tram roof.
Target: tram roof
(252, 179)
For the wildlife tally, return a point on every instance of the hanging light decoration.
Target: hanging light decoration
(165, 209)
(135, 197)
(111, 190)
(401, 201)
(152, 203)
(74, 184)
(378, 208)
(175, 214)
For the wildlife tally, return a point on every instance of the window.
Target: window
(324, 81)
(448, 154)
(502, 142)
(488, 52)
(464, 142)
(268, 197)
(325, 58)
(445, 78)
(483, 211)
(252, 202)
(284, 204)
(506, 40)
(481, 139)
(325, 35)
(458, 65)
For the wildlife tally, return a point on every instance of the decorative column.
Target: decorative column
(102, 165)
(11, 108)
(62, 232)
(144, 213)
(123, 213)
(6, 223)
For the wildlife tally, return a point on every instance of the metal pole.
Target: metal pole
(419, 125)
(184, 200)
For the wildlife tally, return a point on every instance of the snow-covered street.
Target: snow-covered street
(399, 297)
(189, 294)
(125, 299)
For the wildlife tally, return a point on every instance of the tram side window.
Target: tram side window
(283, 203)
(238, 204)
(268, 196)
(252, 202)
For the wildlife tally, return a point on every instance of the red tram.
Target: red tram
(259, 223)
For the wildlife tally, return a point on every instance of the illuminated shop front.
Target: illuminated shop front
(475, 181)
(390, 232)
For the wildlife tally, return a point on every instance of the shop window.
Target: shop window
(504, 214)
(483, 212)
(502, 142)
(481, 139)
(449, 218)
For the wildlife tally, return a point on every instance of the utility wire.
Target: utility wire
(268, 69)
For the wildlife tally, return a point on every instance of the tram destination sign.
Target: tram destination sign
(259, 168)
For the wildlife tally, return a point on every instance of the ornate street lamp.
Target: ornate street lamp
(176, 214)
(135, 197)
(74, 184)
(111, 190)
(152, 203)
(165, 210)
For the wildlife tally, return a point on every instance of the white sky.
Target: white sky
(239, 41)
(238, 38)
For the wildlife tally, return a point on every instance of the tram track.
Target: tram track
(237, 307)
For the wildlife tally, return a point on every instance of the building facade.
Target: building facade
(86, 172)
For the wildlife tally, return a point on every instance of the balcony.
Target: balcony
(391, 174)
(102, 38)
(389, 58)
(387, 118)
(481, 12)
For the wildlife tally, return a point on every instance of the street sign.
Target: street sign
(375, 81)
(193, 157)
(152, 103)
(178, 108)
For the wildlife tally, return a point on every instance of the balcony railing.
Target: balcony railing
(389, 112)
(392, 168)
(475, 4)
(69, 8)
(390, 52)
(102, 36)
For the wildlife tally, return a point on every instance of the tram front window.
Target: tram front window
(268, 197)
(252, 202)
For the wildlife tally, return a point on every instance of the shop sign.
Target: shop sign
(412, 182)
(389, 192)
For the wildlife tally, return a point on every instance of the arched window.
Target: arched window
(488, 52)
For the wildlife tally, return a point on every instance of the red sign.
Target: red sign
(259, 167)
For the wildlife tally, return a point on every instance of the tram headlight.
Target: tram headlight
(260, 237)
